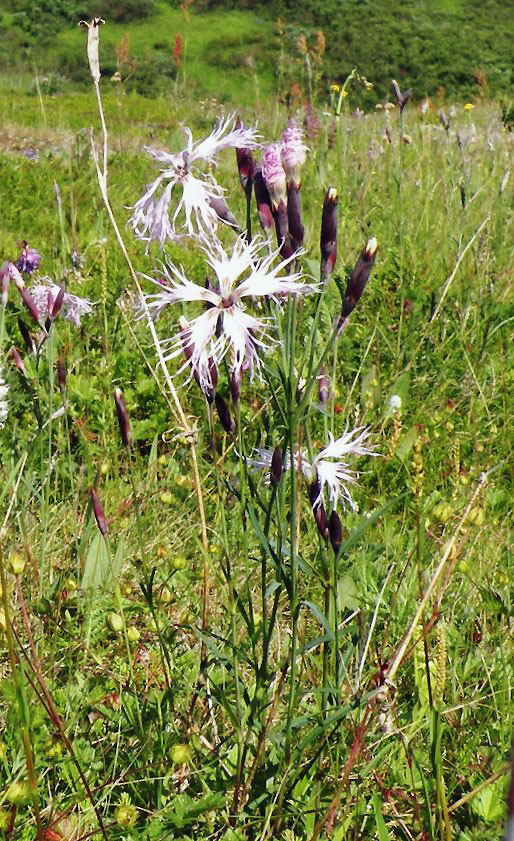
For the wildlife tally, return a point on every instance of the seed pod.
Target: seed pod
(328, 237)
(123, 417)
(61, 374)
(318, 510)
(224, 414)
(358, 279)
(276, 467)
(294, 216)
(98, 511)
(335, 530)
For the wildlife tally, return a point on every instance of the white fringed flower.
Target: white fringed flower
(330, 467)
(45, 294)
(153, 218)
(225, 326)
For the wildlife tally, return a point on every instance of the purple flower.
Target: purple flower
(29, 260)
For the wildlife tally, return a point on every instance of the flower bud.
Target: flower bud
(180, 754)
(61, 374)
(55, 304)
(282, 231)
(224, 415)
(335, 531)
(179, 562)
(223, 212)
(262, 198)
(244, 160)
(16, 563)
(133, 634)
(25, 334)
(126, 815)
(277, 467)
(115, 622)
(358, 279)
(18, 793)
(98, 511)
(318, 510)
(401, 98)
(323, 388)
(29, 302)
(294, 216)
(18, 361)
(236, 379)
(443, 119)
(123, 418)
(328, 237)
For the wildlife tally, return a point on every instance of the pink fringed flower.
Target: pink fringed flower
(294, 152)
(273, 173)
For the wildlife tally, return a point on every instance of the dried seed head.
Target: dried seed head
(98, 511)
(93, 41)
(277, 467)
(224, 414)
(123, 417)
(328, 237)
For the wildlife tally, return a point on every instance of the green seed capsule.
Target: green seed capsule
(115, 622)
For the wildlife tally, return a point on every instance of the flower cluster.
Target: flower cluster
(45, 296)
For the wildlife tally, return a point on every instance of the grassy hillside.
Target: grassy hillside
(242, 51)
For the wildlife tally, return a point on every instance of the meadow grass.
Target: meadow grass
(104, 679)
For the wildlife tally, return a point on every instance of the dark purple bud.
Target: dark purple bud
(98, 511)
(123, 417)
(294, 216)
(282, 231)
(318, 510)
(54, 307)
(443, 119)
(358, 279)
(262, 198)
(401, 98)
(323, 388)
(61, 374)
(224, 415)
(18, 361)
(29, 302)
(328, 237)
(244, 164)
(335, 530)
(276, 466)
(236, 379)
(27, 338)
(222, 211)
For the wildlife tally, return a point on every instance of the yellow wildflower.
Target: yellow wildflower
(469, 106)
(335, 88)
